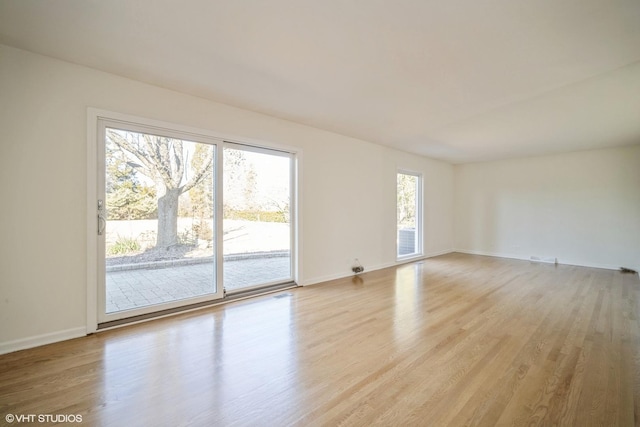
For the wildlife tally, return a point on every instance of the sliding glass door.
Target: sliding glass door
(184, 219)
(257, 206)
(156, 220)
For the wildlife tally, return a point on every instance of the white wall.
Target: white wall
(348, 188)
(582, 208)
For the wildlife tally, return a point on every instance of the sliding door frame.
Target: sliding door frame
(94, 268)
(103, 125)
(292, 208)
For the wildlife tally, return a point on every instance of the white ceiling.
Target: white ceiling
(458, 80)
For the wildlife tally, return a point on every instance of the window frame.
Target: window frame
(419, 220)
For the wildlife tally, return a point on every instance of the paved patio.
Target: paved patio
(142, 287)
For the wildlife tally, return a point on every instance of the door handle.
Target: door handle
(102, 224)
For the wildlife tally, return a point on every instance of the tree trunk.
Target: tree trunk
(168, 218)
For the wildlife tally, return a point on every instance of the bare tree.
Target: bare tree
(406, 204)
(162, 160)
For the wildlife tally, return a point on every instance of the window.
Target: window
(409, 214)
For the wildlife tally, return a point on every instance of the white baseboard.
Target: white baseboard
(38, 340)
(522, 258)
(492, 254)
(439, 253)
(330, 277)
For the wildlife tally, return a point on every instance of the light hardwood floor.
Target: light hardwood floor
(454, 340)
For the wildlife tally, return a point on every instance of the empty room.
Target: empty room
(320, 213)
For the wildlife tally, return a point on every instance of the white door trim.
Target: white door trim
(93, 117)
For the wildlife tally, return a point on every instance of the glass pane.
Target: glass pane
(407, 242)
(160, 226)
(257, 227)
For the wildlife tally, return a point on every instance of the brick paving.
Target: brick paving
(142, 287)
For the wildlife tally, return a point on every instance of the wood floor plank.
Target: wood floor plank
(455, 340)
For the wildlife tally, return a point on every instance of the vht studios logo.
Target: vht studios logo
(43, 418)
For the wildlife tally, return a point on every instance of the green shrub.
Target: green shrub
(187, 237)
(123, 246)
(255, 215)
(202, 230)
